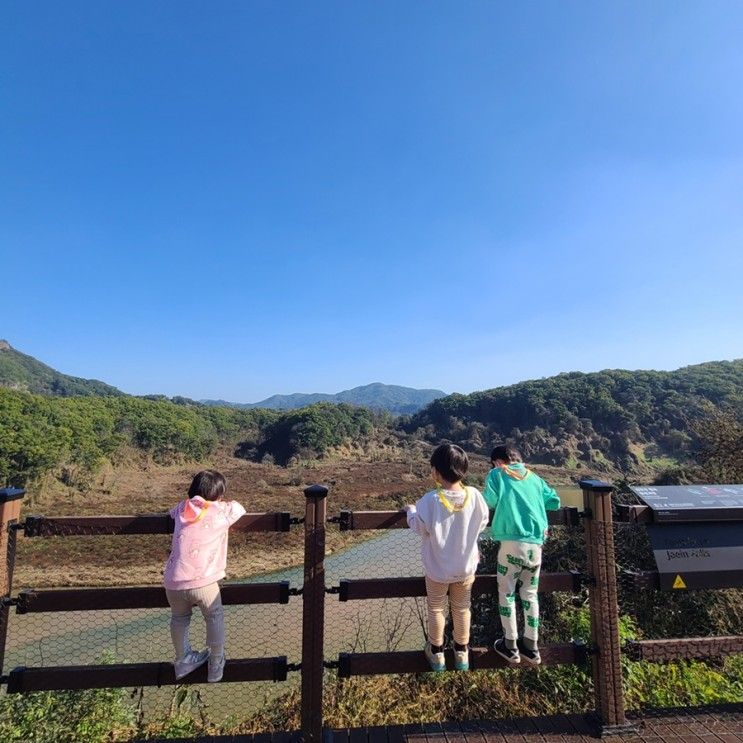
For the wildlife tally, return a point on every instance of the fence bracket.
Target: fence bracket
(333, 589)
(7, 601)
(293, 667)
(296, 520)
(32, 526)
(295, 591)
(331, 664)
(579, 580)
(333, 519)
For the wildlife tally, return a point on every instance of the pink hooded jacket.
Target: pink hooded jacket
(198, 556)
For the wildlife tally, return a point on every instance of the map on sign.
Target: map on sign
(693, 502)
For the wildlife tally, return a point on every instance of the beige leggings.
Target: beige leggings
(438, 604)
(209, 600)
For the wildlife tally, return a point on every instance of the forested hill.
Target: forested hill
(615, 417)
(21, 372)
(376, 396)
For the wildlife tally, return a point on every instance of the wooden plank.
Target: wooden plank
(634, 514)
(491, 732)
(548, 729)
(410, 733)
(378, 588)
(528, 729)
(471, 731)
(160, 523)
(338, 735)
(413, 661)
(434, 733)
(124, 675)
(453, 732)
(140, 597)
(358, 735)
(357, 520)
(377, 734)
(659, 651)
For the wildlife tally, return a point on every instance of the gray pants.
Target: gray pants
(209, 601)
(519, 564)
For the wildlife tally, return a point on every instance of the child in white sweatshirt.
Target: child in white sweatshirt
(450, 519)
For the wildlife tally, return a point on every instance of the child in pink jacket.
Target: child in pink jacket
(198, 558)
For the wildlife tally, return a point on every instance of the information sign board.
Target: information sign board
(692, 503)
(698, 555)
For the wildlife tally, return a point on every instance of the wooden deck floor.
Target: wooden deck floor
(714, 724)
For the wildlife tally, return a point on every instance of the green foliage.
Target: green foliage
(310, 431)
(616, 417)
(42, 434)
(680, 684)
(89, 716)
(21, 372)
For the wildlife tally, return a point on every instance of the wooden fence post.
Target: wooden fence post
(313, 611)
(10, 511)
(606, 664)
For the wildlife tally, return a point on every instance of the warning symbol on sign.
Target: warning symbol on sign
(679, 582)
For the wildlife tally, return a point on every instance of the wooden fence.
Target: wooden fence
(603, 652)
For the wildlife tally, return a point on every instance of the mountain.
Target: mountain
(614, 418)
(377, 396)
(21, 372)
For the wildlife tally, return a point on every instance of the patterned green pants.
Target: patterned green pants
(518, 570)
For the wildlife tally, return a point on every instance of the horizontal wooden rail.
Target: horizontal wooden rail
(157, 523)
(634, 514)
(117, 676)
(352, 520)
(646, 515)
(380, 588)
(684, 648)
(140, 597)
(413, 661)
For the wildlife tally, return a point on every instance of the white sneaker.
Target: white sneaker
(462, 659)
(216, 669)
(435, 660)
(190, 662)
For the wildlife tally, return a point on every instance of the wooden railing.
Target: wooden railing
(600, 579)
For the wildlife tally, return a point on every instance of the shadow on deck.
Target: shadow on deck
(711, 724)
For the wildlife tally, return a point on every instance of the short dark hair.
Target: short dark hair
(450, 461)
(209, 484)
(505, 453)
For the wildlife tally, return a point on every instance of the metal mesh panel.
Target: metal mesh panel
(374, 624)
(84, 636)
(678, 625)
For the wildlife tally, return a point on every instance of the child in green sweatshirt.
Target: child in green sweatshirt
(521, 500)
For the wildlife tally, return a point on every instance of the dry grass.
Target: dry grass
(136, 485)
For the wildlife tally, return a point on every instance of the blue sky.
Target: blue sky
(236, 199)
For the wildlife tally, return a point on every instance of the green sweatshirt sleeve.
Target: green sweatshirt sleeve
(550, 497)
(492, 491)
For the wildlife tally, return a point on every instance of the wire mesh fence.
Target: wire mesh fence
(665, 614)
(395, 623)
(89, 626)
(264, 613)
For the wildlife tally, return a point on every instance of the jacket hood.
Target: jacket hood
(194, 509)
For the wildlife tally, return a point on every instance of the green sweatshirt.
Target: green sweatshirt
(521, 500)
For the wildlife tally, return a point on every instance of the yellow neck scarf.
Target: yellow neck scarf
(447, 504)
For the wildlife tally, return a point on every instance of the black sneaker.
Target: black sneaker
(511, 655)
(531, 657)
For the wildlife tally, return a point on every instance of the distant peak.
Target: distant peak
(5, 346)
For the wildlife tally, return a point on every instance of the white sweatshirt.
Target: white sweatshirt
(449, 546)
